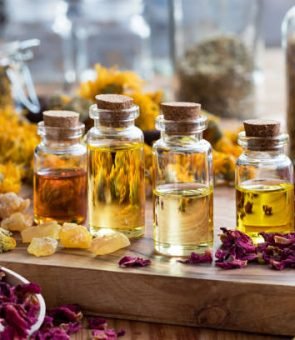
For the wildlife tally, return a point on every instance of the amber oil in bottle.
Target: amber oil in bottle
(265, 195)
(116, 185)
(58, 195)
(183, 189)
(60, 178)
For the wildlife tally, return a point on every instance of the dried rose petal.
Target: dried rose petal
(236, 250)
(19, 309)
(195, 258)
(232, 264)
(97, 323)
(130, 261)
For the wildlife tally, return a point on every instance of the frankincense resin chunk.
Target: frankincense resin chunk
(42, 246)
(50, 229)
(75, 236)
(107, 242)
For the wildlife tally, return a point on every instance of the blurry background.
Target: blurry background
(155, 38)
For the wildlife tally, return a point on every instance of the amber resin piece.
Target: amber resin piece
(42, 246)
(108, 241)
(51, 229)
(75, 236)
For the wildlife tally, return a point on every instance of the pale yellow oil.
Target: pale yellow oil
(265, 206)
(116, 189)
(183, 218)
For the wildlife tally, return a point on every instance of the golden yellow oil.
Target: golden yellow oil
(183, 218)
(265, 206)
(116, 188)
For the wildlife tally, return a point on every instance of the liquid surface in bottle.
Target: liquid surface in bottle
(116, 188)
(265, 206)
(60, 195)
(183, 218)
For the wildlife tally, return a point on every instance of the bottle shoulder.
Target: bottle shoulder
(191, 146)
(263, 158)
(130, 134)
(68, 150)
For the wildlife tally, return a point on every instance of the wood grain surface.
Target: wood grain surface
(254, 299)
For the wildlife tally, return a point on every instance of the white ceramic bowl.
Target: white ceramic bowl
(14, 279)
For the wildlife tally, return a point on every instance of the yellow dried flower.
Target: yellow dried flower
(18, 139)
(110, 80)
(10, 177)
(149, 104)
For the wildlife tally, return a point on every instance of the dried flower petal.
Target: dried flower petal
(130, 261)
(19, 309)
(97, 323)
(195, 258)
(236, 250)
(232, 264)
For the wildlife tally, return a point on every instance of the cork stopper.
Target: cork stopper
(61, 125)
(115, 102)
(61, 119)
(117, 109)
(178, 111)
(261, 128)
(182, 118)
(262, 135)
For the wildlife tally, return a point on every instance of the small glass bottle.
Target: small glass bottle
(264, 181)
(60, 163)
(183, 182)
(116, 196)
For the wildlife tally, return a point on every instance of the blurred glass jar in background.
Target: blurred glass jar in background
(288, 39)
(109, 32)
(216, 45)
(76, 34)
(28, 19)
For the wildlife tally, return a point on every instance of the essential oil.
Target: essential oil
(60, 177)
(116, 188)
(183, 218)
(60, 195)
(265, 206)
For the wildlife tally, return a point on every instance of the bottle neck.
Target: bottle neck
(59, 144)
(264, 153)
(113, 125)
(172, 138)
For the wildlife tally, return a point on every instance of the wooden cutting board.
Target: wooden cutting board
(255, 299)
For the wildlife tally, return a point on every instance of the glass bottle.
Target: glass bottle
(183, 182)
(116, 196)
(288, 39)
(264, 181)
(215, 50)
(60, 163)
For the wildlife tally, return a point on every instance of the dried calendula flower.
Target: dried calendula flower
(7, 242)
(17, 222)
(42, 246)
(107, 242)
(75, 236)
(50, 229)
(10, 177)
(11, 203)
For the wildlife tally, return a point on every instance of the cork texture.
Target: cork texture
(178, 111)
(261, 128)
(114, 102)
(61, 119)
